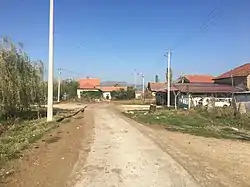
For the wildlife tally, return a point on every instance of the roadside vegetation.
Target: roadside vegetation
(130, 102)
(128, 98)
(90, 96)
(68, 89)
(218, 123)
(134, 102)
(119, 95)
(21, 134)
(123, 94)
(23, 94)
(22, 86)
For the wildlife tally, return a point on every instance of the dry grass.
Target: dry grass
(21, 134)
(219, 123)
(133, 102)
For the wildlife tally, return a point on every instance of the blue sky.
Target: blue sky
(111, 38)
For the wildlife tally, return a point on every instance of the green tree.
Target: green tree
(123, 94)
(21, 85)
(91, 95)
(68, 86)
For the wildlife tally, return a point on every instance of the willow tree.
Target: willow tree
(20, 80)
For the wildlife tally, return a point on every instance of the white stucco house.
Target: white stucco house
(88, 84)
(106, 90)
(93, 84)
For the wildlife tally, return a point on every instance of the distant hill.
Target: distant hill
(112, 83)
(120, 83)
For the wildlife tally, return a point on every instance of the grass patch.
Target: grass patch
(219, 123)
(132, 102)
(20, 136)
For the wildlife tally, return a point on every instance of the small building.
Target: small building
(242, 101)
(239, 76)
(195, 79)
(106, 90)
(154, 87)
(138, 94)
(88, 85)
(94, 85)
(189, 93)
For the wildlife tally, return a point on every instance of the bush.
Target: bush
(123, 94)
(68, 87)
(91, 95)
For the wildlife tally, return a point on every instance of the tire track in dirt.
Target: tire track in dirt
(122, 156)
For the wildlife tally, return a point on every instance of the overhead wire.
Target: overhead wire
(212, 16)
(76, 74)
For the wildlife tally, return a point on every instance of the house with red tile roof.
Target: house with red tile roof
(94, 84)
(112, 88)
(239, 76)
(88, 84)
(196, 86)
(195, 79)
(106, 90)
(156, 86)
(194, 91)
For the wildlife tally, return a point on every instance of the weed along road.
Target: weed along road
(100, 147)
(120, 155)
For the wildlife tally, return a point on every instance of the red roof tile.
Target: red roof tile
(199, 78)
(87, 86)
(240, 71)
(112, 88)
(89, 83)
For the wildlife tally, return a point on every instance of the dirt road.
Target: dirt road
(104, 148)
(122, 156)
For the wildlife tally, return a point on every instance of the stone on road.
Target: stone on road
(122, 156)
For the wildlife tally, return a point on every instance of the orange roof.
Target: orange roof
(88, 83)
(199, 78)
(112, 88)
(240, 71)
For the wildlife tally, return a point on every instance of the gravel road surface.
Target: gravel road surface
(122, 156)
(101, 147)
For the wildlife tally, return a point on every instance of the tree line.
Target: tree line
(123, 94)
(21, 80)
(22, 84)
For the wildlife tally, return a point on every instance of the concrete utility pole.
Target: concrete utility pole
(143, 86)
(51, 62)
(168, 55)
(135, 74)
(59, 84)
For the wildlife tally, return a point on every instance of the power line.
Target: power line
(204, 27)
(70, 71)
